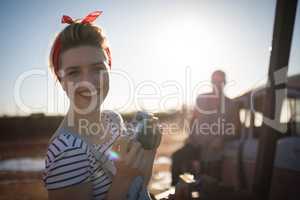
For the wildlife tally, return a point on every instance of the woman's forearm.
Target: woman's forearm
(149, 169)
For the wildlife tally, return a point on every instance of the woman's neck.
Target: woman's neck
(83, 123)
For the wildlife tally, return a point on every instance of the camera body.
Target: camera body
(147, 131)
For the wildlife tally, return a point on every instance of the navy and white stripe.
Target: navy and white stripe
(70, 161)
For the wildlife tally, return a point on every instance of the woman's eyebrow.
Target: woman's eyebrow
(72, 67)
(97, 63)
(92, 64)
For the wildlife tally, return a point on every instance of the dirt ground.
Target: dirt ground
(28, 185)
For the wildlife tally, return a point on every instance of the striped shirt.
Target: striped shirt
(70, 161)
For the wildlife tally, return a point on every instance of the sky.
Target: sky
(164, 51)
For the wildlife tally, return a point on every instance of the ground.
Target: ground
(28, 185)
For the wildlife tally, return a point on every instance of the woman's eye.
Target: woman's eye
(99, 69)
(71, 73)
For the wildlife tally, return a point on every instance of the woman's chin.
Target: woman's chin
(87, 103)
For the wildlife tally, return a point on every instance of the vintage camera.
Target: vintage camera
(147, 131)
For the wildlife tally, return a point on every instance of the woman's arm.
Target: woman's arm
(81, 191)
(148, 165)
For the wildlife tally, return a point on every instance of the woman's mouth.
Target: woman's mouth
(88, 93)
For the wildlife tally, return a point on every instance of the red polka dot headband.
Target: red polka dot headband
(57, 44)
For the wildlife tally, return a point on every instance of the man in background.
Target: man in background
(213, 123)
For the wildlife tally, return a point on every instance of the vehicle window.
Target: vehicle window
(258, 119)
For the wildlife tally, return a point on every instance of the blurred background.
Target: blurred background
(164, 53)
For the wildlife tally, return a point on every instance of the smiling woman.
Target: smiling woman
(79, 164)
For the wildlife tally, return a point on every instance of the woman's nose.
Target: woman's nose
(88, 76)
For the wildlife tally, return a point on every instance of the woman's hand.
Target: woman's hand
(133, 159)
(129, 158)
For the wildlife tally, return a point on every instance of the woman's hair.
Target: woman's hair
(75, 35)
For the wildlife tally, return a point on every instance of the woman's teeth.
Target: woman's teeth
(88, 93)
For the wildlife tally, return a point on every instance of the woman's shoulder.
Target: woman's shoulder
(67, 161)
(65, 145)
(114, 121)
(65, 142)
(111, 116)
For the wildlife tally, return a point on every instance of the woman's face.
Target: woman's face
(84, 77)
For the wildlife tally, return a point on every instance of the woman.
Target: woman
(80, 59)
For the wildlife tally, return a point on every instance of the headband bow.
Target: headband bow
(88, 19)
(68, 20)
